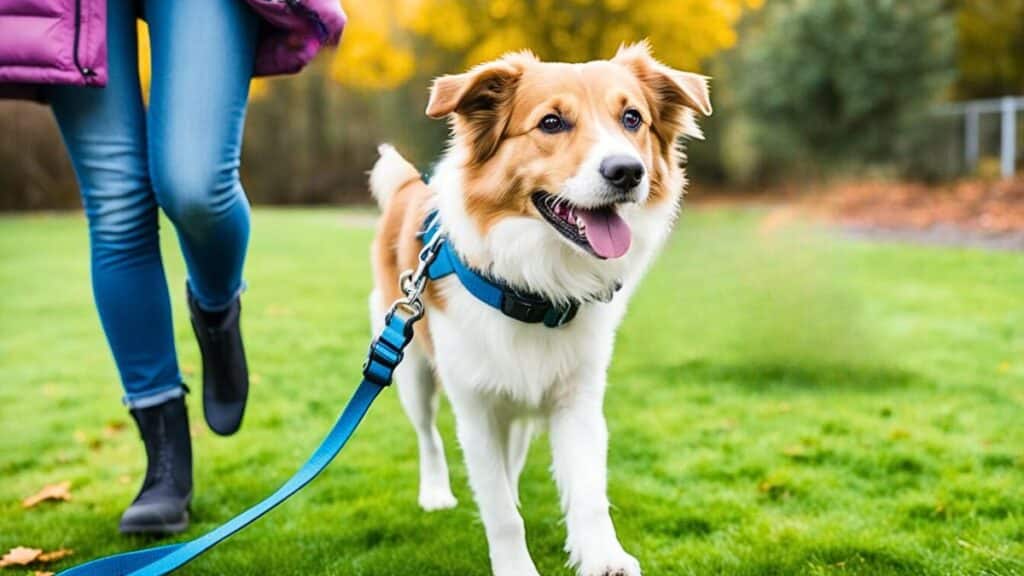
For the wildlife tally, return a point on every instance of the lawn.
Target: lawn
(782, 401)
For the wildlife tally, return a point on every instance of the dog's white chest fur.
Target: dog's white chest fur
(531, 367)
(526, 365)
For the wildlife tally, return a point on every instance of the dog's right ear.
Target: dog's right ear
(481, 101)
(483, 88)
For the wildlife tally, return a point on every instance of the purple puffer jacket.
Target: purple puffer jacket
(64, 41)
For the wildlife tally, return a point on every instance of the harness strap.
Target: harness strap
(385, 354)
(517, 304)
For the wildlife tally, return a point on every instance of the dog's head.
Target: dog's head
(568, 158)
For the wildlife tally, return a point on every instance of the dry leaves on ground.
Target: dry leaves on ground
(23, 556)
(55, 555)
(20, 556)
(113, 428)
(58, 491)
(993, 207)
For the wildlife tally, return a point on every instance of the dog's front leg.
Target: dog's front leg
(579, 445)
(483, 433)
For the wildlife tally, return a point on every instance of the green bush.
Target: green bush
(836, 84)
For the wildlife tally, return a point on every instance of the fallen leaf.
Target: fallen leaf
(20, 556)
(124, 479)
(113, 428)
(41, 573)
(59, 491)
(55, 555)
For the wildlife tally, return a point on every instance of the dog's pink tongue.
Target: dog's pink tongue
(607, 232)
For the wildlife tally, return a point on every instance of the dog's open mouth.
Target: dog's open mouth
(600, 231)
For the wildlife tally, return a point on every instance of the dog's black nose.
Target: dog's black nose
(622, 172)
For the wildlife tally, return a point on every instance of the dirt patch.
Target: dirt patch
(989, 208)
(983, 214)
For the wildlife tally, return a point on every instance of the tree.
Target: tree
(843, 81)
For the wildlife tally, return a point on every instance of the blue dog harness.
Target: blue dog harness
(518, 304)
(437, 259)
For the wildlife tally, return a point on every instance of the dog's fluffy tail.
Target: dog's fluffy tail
(390, 174)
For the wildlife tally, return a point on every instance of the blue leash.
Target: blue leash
(385, 354)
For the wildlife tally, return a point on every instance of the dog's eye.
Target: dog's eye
(553, 124)
(632, 119)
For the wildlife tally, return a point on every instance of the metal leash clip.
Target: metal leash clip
(414, 282)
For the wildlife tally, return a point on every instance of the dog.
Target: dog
(560, 181)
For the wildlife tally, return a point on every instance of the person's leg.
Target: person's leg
(105, 133)
(203, 53)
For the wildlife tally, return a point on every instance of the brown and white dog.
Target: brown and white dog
(563, 180)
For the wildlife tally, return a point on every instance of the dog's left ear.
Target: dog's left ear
(675, 96)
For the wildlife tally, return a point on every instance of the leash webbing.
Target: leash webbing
(386, 352)
(164, 559)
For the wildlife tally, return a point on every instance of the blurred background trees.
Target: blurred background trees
(375, 88)
(803, 88)
(836, 85)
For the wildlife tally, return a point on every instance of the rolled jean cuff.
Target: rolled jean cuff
(152, 398)
(206, 305)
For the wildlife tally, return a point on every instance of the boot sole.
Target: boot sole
(155, 528)
(223, 419)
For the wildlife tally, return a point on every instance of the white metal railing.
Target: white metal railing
(1007, 108)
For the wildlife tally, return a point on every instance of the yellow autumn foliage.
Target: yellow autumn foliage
(387, 41)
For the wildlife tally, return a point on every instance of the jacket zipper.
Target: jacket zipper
(86, 72)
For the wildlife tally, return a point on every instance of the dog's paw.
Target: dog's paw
(437, 499)
(614, 563)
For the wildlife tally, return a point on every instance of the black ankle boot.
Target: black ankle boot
(162, 504)
(225, 373)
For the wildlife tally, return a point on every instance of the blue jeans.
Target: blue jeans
(182, 155)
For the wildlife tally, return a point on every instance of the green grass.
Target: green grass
(779, 404)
